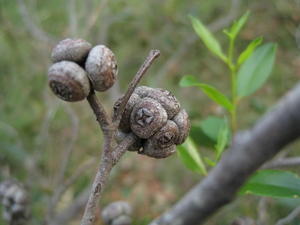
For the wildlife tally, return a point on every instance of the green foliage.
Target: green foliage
(249, 50)
(212, 126)
(210, 91)
(188, 154)
(247, 74)
(256, 70)
(237, 26)
(222, 141)
(273, 183)
(208, 38)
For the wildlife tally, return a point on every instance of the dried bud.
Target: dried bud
(162, 143)
(101, 67)
(75, 50)
(164, 97)
(147, 117)
(117, 213)
(183, 123)
(68, 81)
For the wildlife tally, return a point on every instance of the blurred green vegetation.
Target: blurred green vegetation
(37, 129)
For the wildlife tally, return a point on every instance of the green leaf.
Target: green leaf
(190, 157)
(212, 126)
(222, 141)
(205, 132)
(274, 183)
(207, 37)
(256, 69)
(211, 92)
(237, 26)
(249, 50)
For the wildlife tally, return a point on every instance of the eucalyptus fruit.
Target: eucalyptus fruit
(101, 67)
(68, 81)
(75, 50)
(155, 116)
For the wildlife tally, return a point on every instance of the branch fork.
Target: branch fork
(109, 125)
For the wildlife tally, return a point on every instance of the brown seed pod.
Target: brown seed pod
(160, 144)
(147, 117)
(68, 81)
(75, 50)
(101, 67)
(157, 153)
(125, 120)
(183, 123)
(164, 97)
(134, 147)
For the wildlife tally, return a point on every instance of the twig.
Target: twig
(73, 20)
(290, 217)
(143, 69)
(283, 162)
(262, 212)
(99, 111)
(94, 17)
(109, 127)
(248, 152)
(32, 27)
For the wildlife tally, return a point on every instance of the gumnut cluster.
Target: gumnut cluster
(117, 213)
(156, 117)
(15, 202)
(77, 65)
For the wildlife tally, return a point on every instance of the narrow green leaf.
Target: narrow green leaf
(211, 127)
(256, 69)
(207, 37)
(238, 25)
(222, 141)
(211, 92)
(190, 157)
(274, 183)
(249, 50)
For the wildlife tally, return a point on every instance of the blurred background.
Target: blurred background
(45, 142)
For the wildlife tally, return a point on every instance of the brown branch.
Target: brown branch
(282, 162)
(99, 111)
(288, 220)
(141, 72)
(110, 156)
(248, 152)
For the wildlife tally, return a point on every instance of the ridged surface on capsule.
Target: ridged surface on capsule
(160, 144)
(75, 50)
(183, 123)
(147, 117)
(168, 101)
(125, 120)
(101, 67)
(157, 153)
(68, 81)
